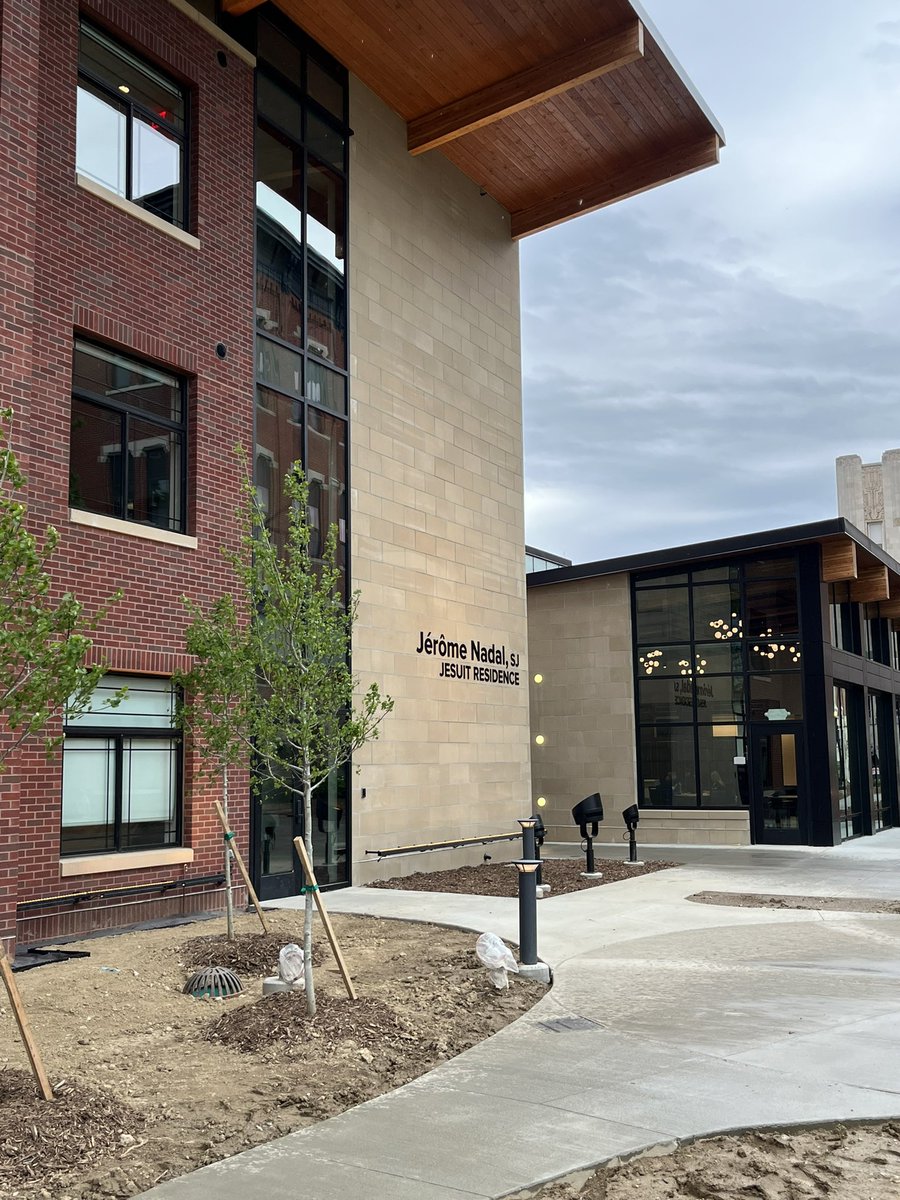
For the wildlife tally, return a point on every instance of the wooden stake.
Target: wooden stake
(240, 862)
(28, 1041)
(310, 874)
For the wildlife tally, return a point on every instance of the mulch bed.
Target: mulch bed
(500, 879)
(43, 1139)
(282, 1017)
(822, 903)
(249, 954)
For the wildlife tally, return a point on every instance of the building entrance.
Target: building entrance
(280, 815)
(778, 802)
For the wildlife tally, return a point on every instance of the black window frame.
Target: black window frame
(135, 110)
(127, 413)
(118, 735)
(734, 571)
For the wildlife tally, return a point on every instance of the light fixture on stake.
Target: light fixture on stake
(631, 816)
(588, 813)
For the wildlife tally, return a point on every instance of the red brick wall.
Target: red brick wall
(80, 265)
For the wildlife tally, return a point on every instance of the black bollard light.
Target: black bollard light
(527, 870)
(528, 847)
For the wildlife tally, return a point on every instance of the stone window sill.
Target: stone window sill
(135, 210)
(78, 516)
(135, 860)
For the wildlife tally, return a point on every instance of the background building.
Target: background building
(868, 495)
(741, 691)
(292, 228)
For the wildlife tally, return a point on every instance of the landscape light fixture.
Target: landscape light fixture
(527, 869)
(631, 816)
(587, 814)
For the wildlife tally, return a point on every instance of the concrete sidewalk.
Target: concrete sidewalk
(667, 1019)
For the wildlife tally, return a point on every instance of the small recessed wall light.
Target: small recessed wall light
(124, 89)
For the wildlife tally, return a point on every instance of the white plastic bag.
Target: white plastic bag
(290, 966)
(492, 953)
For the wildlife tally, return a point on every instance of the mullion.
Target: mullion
(119, 741)
(129, 410)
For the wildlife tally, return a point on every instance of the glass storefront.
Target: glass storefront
(715, 649)
(849, 784)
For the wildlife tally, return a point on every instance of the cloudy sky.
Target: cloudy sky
(697, 357)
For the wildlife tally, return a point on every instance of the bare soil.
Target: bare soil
(151, 1084)
(819, 903)
(500, 879)
(837, 1162)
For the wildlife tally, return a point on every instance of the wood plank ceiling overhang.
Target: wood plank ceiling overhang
(553, 107)
(871, 581)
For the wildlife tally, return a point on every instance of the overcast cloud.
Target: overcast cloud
(696, 358)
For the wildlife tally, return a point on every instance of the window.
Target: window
(131, 122)
(122, 770)
(128, 440)
(875, 531)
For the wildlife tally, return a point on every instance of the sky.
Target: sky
(696, 358)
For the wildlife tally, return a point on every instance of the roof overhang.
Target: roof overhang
(848, 556)
(554, 107)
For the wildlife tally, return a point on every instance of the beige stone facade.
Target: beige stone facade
(579, 646)
(579, 643)
(437, 499)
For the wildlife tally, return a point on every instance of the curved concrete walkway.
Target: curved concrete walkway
(667, 1019)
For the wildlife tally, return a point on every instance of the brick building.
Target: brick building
(290, 227)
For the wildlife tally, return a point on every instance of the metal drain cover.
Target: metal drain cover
(217, 983)
(569, 1024)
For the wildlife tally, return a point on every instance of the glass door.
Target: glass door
(281, 820)
(778, 809)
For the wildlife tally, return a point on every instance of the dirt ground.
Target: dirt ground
(837, 1162)
(818, 903)
(500, 879)
(152, 1084)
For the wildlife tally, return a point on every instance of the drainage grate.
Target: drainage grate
(569, 1024)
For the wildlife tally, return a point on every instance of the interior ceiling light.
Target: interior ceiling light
(124, 89)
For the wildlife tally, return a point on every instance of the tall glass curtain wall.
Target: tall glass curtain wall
(301, 347)
(715, 648)
(867, 721)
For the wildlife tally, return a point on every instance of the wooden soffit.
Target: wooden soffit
(872, 583)
(553, 107)
(839, 560)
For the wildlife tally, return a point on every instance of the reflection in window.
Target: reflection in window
(776, 697)
(122, 770)
(662, 615)
(667, 762)
(130, 127)
(845, 747)
(127, 446)
(721, 783)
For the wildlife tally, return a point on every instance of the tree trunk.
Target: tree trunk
(229, 895)
(308, 912)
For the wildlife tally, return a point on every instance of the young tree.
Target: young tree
(219, 694)
(44, 642)
(290, 688)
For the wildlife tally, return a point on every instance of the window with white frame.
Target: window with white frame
(122, 770)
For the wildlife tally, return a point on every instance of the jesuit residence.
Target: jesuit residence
(293, 227)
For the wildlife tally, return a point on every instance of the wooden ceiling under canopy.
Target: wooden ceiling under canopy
(553, 107)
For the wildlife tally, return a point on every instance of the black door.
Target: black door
(280, 815)
(778, 799)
